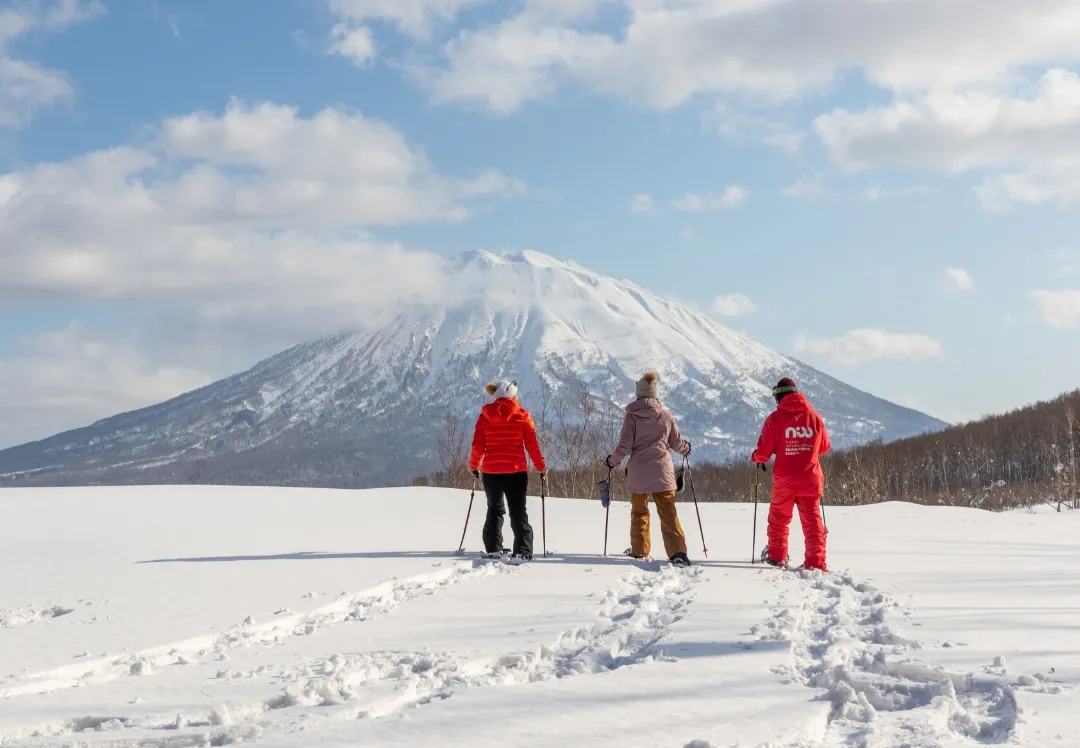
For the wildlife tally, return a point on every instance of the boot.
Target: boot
(768, 559)
(680, 559)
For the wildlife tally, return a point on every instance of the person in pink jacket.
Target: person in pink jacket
(649, 434)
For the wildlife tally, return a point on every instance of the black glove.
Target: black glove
(687, 448)
(475, 474)
(607, 461)
(763, 466)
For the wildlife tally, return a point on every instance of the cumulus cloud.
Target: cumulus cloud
(960, 279)
(355, 42)
(353, 37)
(1034, 133)
(960, 130)
(74, 376)
(1059, 308)
(70, 12)
(877, 193)
(733, 305)
(961, 102)
(808, 188)
(668, 51)
(257, 205)
(643, 204)
(745, 127)
(861, 346)
(25, 86)
(732, 197)
(251, 227)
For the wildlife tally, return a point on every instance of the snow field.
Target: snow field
(191, 616)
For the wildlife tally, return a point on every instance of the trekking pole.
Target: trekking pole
(461, 545)
(607, 514)
(693, 490)
(543, 511)
(607, 509)
(753, 550)
(823, 522)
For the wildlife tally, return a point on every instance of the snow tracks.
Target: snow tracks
(627, 628)
(23, 616)
(842, 641)
(357, 607)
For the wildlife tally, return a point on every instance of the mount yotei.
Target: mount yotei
(361, 408)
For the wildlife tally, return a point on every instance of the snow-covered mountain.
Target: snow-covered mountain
(362, 407)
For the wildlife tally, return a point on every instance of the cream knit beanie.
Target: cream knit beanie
(647, 386)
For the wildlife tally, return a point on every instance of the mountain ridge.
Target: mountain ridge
(354, 402)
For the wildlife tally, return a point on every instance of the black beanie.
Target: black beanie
(784, 387)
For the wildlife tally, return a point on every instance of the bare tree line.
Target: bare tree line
(1024, 457)
(576, 427)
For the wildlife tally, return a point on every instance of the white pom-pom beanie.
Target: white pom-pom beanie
(502, 388)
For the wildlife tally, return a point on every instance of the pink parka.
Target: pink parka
(649, 431)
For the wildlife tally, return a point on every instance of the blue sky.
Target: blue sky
(887, 191)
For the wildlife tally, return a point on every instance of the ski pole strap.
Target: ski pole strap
(604, 487)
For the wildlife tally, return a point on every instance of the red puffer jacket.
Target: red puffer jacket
(504, 431)
(795, 433)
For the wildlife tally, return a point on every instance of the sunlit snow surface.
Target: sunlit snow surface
(189, 616)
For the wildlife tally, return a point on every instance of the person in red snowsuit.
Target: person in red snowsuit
(795, 433)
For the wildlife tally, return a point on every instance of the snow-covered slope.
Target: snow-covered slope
(365, 403)
(162, 617)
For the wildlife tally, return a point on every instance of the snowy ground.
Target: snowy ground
(188, 616)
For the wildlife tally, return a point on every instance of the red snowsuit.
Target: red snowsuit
(797, 436)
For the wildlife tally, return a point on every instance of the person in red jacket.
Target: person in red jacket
(795, 433)
(504, 433)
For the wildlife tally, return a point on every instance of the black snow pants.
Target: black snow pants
(514, 487)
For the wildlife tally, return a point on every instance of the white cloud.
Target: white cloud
(25, 86)
(877, 193)
(258, 206)
(808, 189)
(72, 376)
(956, 131)
(960, 278)
(733, 305)
(742, 127)
(860, 346)
(669, 51)
(353, 38)
(248, 226)
(1065, 263)
(70, 12)
(643, 204)
(732, 197)
(1036, 135)
(1059, 308)
(355, 42)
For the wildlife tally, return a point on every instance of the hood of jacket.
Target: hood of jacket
(502, 409)
(794, 403)
(644, 407)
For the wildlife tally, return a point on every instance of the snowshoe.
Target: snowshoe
(765, 558)
(497, 554)
(523, 556)
(630, 552)
(680, 559)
